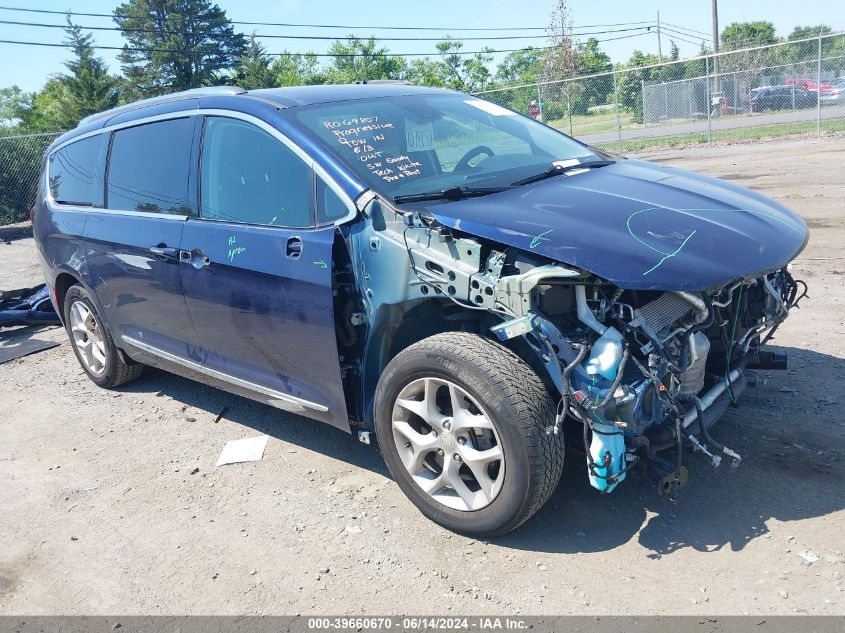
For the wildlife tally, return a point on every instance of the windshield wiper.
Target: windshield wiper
(556, 169)
(450, 193)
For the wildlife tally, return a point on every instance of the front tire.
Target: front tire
(93, 344)
(461, 423)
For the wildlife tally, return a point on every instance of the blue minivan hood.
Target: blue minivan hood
(639, 225)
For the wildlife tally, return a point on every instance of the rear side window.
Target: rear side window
(73, 174)
(250, 176)
(149, 168)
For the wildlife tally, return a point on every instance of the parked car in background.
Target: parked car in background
(806, 84)
(422, 267)
(782, 98)
(834, 94)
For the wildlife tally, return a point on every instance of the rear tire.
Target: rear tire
(441, 449)
(93, 344)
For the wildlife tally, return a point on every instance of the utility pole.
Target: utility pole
(715, 10)
(659, 45)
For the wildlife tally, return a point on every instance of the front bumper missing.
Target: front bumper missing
(715, 403)
(717, 400)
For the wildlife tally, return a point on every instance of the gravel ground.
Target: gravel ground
(111, 502)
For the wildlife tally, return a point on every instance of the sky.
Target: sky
(28, 66)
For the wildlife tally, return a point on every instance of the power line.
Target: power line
(315, 37)
(684, 28)
(683, 37)
(343, 26)
(388, 54)
(749, 41)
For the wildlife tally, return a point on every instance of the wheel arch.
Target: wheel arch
(399, 326)
(64, 280)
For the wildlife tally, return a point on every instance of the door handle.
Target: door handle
(195, 258)
(162, 251)
(293, 248)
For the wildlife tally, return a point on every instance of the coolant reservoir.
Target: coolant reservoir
(607, 440)
(605, 355)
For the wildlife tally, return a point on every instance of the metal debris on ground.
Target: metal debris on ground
(24, 348)
(27, 306)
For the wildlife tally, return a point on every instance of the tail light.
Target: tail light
(32, 213)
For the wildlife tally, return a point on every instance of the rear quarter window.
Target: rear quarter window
(73, 177)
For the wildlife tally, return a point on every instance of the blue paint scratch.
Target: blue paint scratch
(321, 264)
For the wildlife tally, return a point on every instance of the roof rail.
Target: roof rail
(396, 82)
(174, 96)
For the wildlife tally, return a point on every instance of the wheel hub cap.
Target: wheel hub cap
(448, 444)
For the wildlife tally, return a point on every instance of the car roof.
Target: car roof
(265, 103)
(275, 98)
(289, 97)
(294, 96)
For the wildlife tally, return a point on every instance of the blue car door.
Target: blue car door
(133, 243)
(257, 273)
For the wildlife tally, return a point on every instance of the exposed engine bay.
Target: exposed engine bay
(643, 373)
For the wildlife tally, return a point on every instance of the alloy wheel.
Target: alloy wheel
(87, 337)
(448, 444)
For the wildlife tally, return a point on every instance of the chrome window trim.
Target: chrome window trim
(219, 375)
(300, 153)
(143, 214)
(180, 114)
(232, 114)
(48, 194)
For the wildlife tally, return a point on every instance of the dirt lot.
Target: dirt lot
(111, 502)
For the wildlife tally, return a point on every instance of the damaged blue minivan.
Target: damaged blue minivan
(476, 290)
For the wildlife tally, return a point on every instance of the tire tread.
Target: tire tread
(517, 382)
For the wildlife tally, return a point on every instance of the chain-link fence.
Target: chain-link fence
(764, 92)
(20, 160)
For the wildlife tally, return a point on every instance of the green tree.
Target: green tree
(253, 70)
(45, 111)
(358, 60)
(15, 105)
(631, 82)
(591, 60)
(87, 88)
(426, 72)
(804, 32)
(745, 34)
(295, 69)
(697, 67)
(674, 51)
(462, 72)
(175, 44)
(807, 51)
(520, 67)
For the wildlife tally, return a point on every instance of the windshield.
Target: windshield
(410, 144)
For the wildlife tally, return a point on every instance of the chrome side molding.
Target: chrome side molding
(219, 375)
